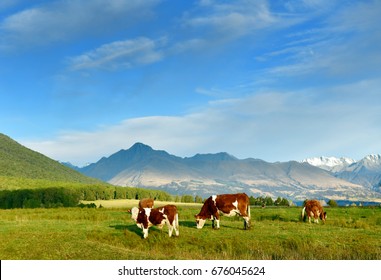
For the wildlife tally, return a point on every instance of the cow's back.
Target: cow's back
(170, 211)
(225, 202)
(313, 204)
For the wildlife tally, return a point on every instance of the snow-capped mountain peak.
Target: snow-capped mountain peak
(365, 172)
(373, 158)
(332, 164)
(372, 161)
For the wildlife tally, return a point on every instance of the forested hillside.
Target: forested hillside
(21, 162)
(29, 179)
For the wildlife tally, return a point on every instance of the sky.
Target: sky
(273, 80)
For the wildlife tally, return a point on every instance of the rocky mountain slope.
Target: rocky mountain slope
(205, 174)
(365, 172)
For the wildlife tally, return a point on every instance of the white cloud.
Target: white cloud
(195, 44)
(317, 6)
(360, 16)
(343, 46)
(119, 54)
(5, 4)
(228, 21)
(270, 125)
(63, 20)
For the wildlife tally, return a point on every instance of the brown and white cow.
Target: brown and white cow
(313, 209)
(167, 214)
(226, 204)
(143, 203)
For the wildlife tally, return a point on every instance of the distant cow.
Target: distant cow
(143, 203)
(146, 203)
(313, 209)
(148, 217)
(226, 204)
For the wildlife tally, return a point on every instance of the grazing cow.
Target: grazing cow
(313, 209)
(167, 214)
(226, 204)
(143, 203)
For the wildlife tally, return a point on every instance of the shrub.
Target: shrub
(332, 203)
(87, 205)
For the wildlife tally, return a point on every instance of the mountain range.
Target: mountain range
(365, 172)
(202, 174)
(206, 174)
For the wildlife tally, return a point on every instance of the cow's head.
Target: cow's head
(200, 221)
(323, 216)
(142, 220)
(134, 213)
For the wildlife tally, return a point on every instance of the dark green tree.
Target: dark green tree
(332, 203)
(198, 199)
(269, 201)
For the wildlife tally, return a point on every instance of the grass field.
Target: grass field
(108, 233)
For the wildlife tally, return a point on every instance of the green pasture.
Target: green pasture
(108, 233)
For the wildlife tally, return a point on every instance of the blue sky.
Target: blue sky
(275, 80)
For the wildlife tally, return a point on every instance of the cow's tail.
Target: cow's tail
(303, 216)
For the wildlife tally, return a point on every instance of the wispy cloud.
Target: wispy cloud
(5, 4)
(62, 20)
(212, 24)
(292, 125)
(119, 54)
(287, 80)
(343, 46)
(227, 21)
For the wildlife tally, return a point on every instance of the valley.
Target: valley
(108, 233)
(145, 170)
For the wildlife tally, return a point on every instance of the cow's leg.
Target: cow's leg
(170, 230)
(176, 225)
(317, 216)
(145, 232)
(246, 222)
(217, 218)
(177, 232)
(217, 224)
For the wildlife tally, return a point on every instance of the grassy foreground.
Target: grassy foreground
(108, 233)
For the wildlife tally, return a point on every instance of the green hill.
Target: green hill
(17, 161)
(29, 180)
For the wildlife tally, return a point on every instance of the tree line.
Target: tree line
(268, 201)
(258, 201)
(52, 197)
(70, 197)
